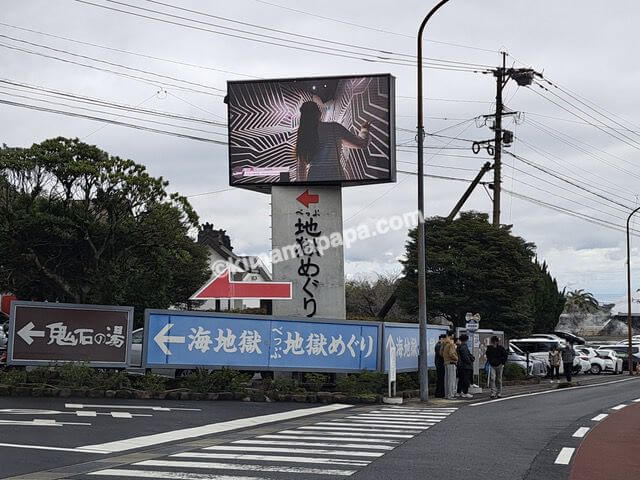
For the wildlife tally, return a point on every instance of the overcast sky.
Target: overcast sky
(587, 46)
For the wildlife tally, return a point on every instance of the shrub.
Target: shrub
(514, 372)
(112, 380)
(315, 381)
(77, 375)
(42, 375)
(205, 381)
(13, 376)
(282, 385)
(151, 383)
(363, 382)
(407, 381)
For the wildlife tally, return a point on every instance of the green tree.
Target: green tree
(548, 301)
(78, 225)
(473, 266)
(581, 302)
(365, 298)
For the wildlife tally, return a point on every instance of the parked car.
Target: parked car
(4, 335)
(622, 351)
(583, 361)
(597, 364)
(570, 337)
(136, 347)
(615, 364)
(539, 348)
(535, 368)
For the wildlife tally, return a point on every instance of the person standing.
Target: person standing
(439, 361)
(497, 358)
(465, 364)
(554, 363)
(450, 358)
(568, 354)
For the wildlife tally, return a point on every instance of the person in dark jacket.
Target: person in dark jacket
(568, 354)
(439, 360)
(497, 357)
(465, 365)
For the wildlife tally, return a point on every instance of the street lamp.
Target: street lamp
(630, 350)
(422, 286)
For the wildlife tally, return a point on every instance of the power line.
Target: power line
(113, 64)
(128, 52)
(155, 83)
(375, 29)
(302, 46)
(114, 122)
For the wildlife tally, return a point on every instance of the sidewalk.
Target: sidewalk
(509, 391)
(609, 451)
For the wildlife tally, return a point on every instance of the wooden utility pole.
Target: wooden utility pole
(500, 74)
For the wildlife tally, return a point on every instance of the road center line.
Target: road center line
(564, 457)
(581, 432)
(547, 392)
(602, 416)
(618, 407)
(182, 434)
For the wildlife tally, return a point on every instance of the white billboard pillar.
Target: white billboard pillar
(306, 239)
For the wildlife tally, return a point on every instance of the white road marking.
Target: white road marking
(325, 438)
(131, 407)
(564, 457)
(312, 451)
(364, 436)
(419, 410)
(602, 416)
(383, 433)
(121, 415)
(274, 458)
(373, 425)
(403, 417)
(312, 444)
(182, 434)
(240, 466)
(122, 472)
(391, 421)
(581, 432)
(43, 447)
(636, 400)
(547, 392)
(618, 407)
(41, 422)
(86, 413)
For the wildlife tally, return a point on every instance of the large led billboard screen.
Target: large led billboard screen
(332, 130)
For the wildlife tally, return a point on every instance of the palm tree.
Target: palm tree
(581, 301)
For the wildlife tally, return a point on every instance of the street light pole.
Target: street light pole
(422, 285)
(630, 350)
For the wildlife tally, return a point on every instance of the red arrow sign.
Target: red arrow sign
(307, 198)
(222, 287)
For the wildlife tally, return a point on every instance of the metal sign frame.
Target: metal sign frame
(186, 313)
(266, 187)
(68, 306)
(383, 348)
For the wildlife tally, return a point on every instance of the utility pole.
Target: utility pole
(423, 373)
(497, 153)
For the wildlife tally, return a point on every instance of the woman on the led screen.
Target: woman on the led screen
(319, 143)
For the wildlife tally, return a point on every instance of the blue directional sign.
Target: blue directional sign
(188, 340)
(406, 338)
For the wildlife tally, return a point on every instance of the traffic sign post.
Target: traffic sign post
(42, 333)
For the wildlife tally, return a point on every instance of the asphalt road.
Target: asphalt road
(520, 437)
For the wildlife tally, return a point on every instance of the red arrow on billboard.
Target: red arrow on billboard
(307, 198)
(222, 287)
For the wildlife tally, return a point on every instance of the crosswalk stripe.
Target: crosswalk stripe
(122, 472)
(310, 436)
(312, 451)
(393, 415)
(312, 444)
(242, 466)
(373, 424)
(273, 458)
(381, 433)
(391, 421)
(420, 410)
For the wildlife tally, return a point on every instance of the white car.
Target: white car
(581, 361)
(615, 364)
(538, 348)
(597, 363)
